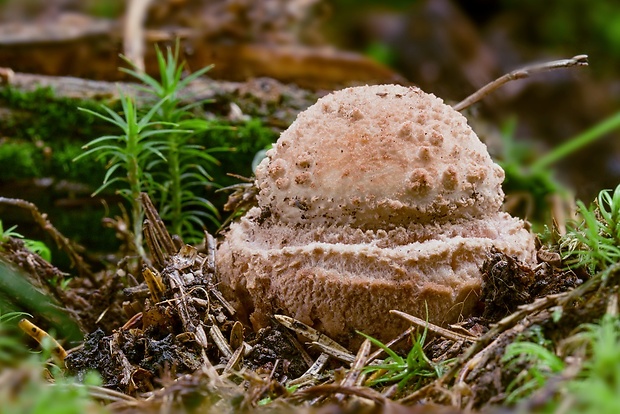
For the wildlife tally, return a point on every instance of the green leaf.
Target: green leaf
(385, 348)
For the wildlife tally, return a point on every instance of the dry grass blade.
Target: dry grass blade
(229, 308)
(446, 333)
(39, 335)
(160, 238)
(326, 389)
(234, 360)
(344, 356)
(312, 373)
(185, 308)
(236, 335)
(299, 347)
(354, 375)
(202, 302)
(157, 254)
(311, 333)
(210, 259)
(108, 395)
(154, 283)
(220, 341)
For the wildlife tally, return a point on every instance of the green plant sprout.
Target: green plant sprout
(10, 345)
(128, 156)
(534, 177)
(34, 246)
(542, 364)
(182, 170)
(594, 242)
(595, 385)
(396, 369)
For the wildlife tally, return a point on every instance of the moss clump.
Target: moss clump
(245, 139)
(43, 133)
(41, 115)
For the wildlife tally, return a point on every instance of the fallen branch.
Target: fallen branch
(61, 241)
(527, 71)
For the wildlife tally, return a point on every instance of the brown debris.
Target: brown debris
(184, 325)
(508, 283)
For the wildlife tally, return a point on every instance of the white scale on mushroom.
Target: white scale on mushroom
(375, 198)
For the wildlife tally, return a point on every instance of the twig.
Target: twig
(325, 389)
(354, 376)
(446, 333)
(311, 333)
(579, 60)
(133, 32)
(157, 237)
(61, 241)
(344, 356)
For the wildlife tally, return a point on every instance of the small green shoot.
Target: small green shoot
(541, 364)
(184, 167)
(128, 155)
(594, 242)
(532, 176)
(401, 370)
(34, 246)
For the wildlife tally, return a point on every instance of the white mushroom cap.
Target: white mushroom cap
(376, 198)
(378, 156)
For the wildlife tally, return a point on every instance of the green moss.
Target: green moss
(44, 133)
(245, 139)
(20, 160)
(40, 115)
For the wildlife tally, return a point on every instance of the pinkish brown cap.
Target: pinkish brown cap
(378, 156)
(376, 198)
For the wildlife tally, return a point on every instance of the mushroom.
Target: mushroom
(375, 198)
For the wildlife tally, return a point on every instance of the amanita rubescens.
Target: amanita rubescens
(376, 198)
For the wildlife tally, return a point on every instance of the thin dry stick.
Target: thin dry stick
(160, 234)
(325, 389)
(61, 241)
(354, 377)
(579, 60)
(133, 32)
(446, 333)
(311, 333)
